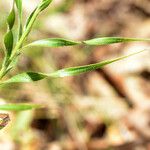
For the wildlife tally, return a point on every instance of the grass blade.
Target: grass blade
(18, 107)
(33, 76)
(8, 38)
(11, 18)
(82, 69)
(19, 7)
(44, 4)
(53, 42)
(8, 41)
(112, 40)
(30, 17)
(57, 42)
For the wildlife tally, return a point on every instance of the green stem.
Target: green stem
(24, 35)
(19, 44)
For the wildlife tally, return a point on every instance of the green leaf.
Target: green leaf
(19, 7)
(30, 17)
(82, 69)
(19, 107)
(44, 4)
(26, 77)
(58, 42)
(33, 76)
(53, 42)
(111, 40)
(8, 41)
(8, 38)
(11, 19)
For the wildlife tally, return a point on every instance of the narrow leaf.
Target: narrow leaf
(30, 17)
(82, 69)
(26, 77)
(33, 76)
(19, 7)
(18, 107)
(57, 42)
(8, 41)
(44, 4)
(8, 38)
(11, 19)
(53, 42)
(111, 40)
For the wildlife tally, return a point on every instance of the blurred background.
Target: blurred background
(107, 109)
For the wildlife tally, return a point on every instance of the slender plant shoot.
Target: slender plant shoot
(14, 48)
